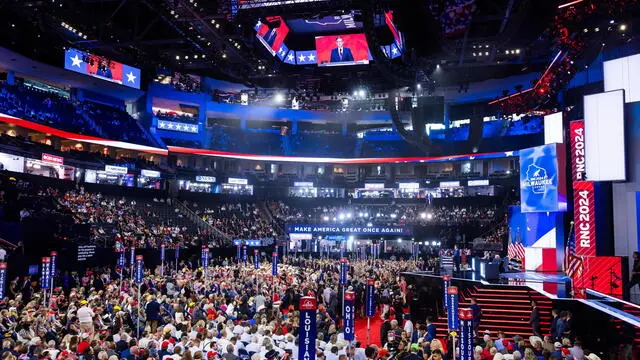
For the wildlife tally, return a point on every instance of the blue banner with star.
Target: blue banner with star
(282, 52)
(102, 68)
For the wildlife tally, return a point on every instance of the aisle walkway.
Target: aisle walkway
(361, 330)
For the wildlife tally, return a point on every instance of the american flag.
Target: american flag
(572, 263)
(515, 250)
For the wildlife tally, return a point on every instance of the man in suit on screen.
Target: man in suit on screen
(270, 36)
(341, 53)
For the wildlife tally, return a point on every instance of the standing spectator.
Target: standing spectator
(431, 330)
(554, 323)
(477, 314)
(3, 254)
(152, 310)
(85, 317)
(534, 319)
(384, 329)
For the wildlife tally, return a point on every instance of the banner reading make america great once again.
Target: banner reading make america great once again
(336, 229)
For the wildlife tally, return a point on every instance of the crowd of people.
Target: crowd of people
(390, 215)
(124, 223)
(233, 310)
(239, 220)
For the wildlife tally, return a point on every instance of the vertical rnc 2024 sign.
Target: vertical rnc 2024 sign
(584, 218)
(307, 329)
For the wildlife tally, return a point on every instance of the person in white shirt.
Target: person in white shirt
(85, 317)
(408, 326)
(3, 254)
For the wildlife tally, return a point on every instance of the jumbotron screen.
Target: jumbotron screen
(273, 33)
(101, 68)
(337, 50)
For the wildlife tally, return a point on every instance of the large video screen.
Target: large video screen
(397, 36)
(543, 178)
(272, 33)
(336, 50)
(101, 68)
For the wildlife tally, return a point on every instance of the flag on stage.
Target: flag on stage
(572, 263)
(515, 250)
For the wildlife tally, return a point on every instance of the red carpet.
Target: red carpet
(361, 330)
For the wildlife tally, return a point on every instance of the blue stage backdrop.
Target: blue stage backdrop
(543, 179)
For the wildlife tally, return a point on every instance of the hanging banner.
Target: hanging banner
(45, 273)
(466, 334)
(244, 253)
(341, 251)
(3, 279)
(177, 253)
(139, 269)
(238, 247)
(576, 136)
(256, 259)
(370, 304)
(584, 218)
(162, 252)
(452, 310)
(446, 282)
(343, 271)
(307, 329)
(349, 315)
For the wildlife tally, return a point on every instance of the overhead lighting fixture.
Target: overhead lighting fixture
(177, 57)
(623, 27)
(224, 56)
(517, 51)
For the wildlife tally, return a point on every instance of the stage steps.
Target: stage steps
(504, 308)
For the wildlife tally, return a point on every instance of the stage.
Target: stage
(552, 285)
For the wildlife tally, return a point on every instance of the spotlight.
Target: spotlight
(195, 56)
(437, 66)
(280, 98)
(399, 240)
(419, 86)
(362, 93)
(177, 57)
(423, 215)
(623, 27)
(224, 56)
(517, 51)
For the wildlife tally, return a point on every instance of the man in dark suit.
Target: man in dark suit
(270, 36)
(534, 319)
(431, 330)
(341, 53)
(554, 323)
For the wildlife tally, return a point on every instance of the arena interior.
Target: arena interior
(315, 179)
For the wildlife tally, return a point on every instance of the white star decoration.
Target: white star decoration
(194, 128)
(302, 58)
(281, 51)
(76, 61)
(130, 77)
(394, 50)
(312, 57)
(160, 124)
(290, 57)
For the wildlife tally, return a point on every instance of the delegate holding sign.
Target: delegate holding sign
(341, 229)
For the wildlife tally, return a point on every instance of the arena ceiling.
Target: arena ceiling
(217, 39)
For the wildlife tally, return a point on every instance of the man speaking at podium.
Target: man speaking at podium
(341, 53)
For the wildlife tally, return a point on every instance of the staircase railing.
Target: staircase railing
(93, 125)
(200, 223)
